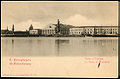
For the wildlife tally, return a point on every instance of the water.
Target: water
(59, 46)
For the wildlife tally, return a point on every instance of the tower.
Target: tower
(58, 27)
(7, 28)
(13, 28)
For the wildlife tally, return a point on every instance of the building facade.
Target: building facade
(33, 32)
(106, 30)
(49, 30)
(76, 31)
(88, 30)
(94, 30)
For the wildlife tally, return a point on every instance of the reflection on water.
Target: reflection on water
(50, 46)
(59, 43)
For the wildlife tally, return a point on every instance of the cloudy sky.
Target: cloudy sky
(40, 14)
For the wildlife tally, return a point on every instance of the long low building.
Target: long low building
(106, 30)
(94, 30)
(76, 31)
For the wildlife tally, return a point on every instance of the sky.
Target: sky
(40, 14)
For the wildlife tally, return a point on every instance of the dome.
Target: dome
(31, 27)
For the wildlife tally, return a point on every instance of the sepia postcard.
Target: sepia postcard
(66, 39)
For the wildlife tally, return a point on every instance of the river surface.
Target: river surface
(59, 46)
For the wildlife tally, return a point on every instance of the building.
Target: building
(35, 32)
(7, 31)
(58, 29)
(49, 31)
(20, 32)
(106, 30)
(94, 30)
(62, 29)
(78, 31)
(31, 27)
(82, 30)
(88, 30)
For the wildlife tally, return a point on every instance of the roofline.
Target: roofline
(92, 26)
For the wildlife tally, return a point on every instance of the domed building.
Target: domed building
(31, 27)
(49, 30)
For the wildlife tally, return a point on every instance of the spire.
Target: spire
(58, 25)
(58, 22)
(7, 28)
(13, 28)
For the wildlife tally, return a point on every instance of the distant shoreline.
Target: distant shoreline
(60, 36)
